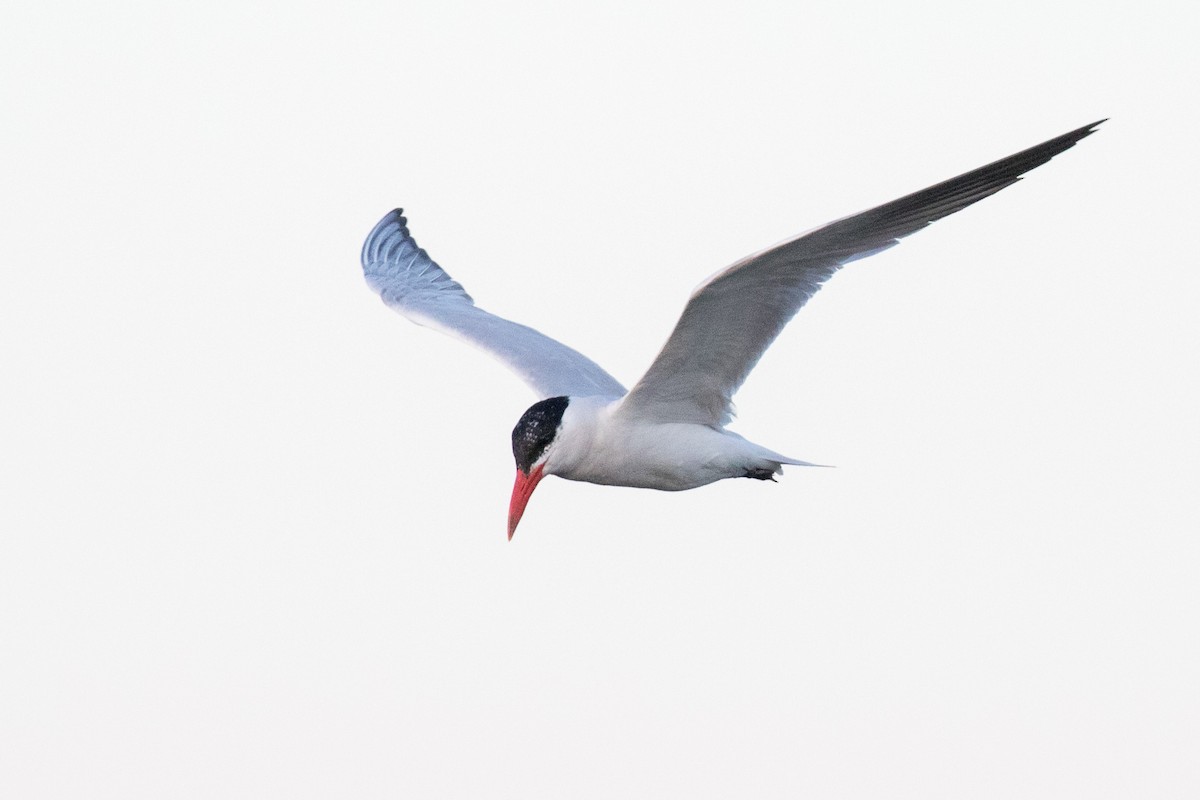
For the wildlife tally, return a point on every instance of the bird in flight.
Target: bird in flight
(668, 431)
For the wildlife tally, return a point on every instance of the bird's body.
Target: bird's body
(598, 444)
(667, 432)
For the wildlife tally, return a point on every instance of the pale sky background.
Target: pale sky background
(252, 532)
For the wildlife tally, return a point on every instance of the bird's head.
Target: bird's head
(533, 440)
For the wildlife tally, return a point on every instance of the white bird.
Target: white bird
(668, 432)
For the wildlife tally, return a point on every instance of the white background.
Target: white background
(252, 522)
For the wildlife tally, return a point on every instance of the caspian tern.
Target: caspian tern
(668, 432)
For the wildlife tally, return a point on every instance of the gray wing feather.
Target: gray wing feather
(733, 317)
(409, 281)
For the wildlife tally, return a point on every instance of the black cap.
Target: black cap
(536, 429)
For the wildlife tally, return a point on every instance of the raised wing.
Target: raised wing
(735, 315)
(410, 282)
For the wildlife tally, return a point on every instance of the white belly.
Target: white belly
(671, 457)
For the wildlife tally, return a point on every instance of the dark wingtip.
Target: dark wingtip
(1065, 141)
(1086, 130)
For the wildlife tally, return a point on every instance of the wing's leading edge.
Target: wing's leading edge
(410, 282)
(733, 317)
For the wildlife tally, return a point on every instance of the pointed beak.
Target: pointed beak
(522, 491)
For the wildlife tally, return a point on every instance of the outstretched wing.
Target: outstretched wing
(410, 282)
(735, 315)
